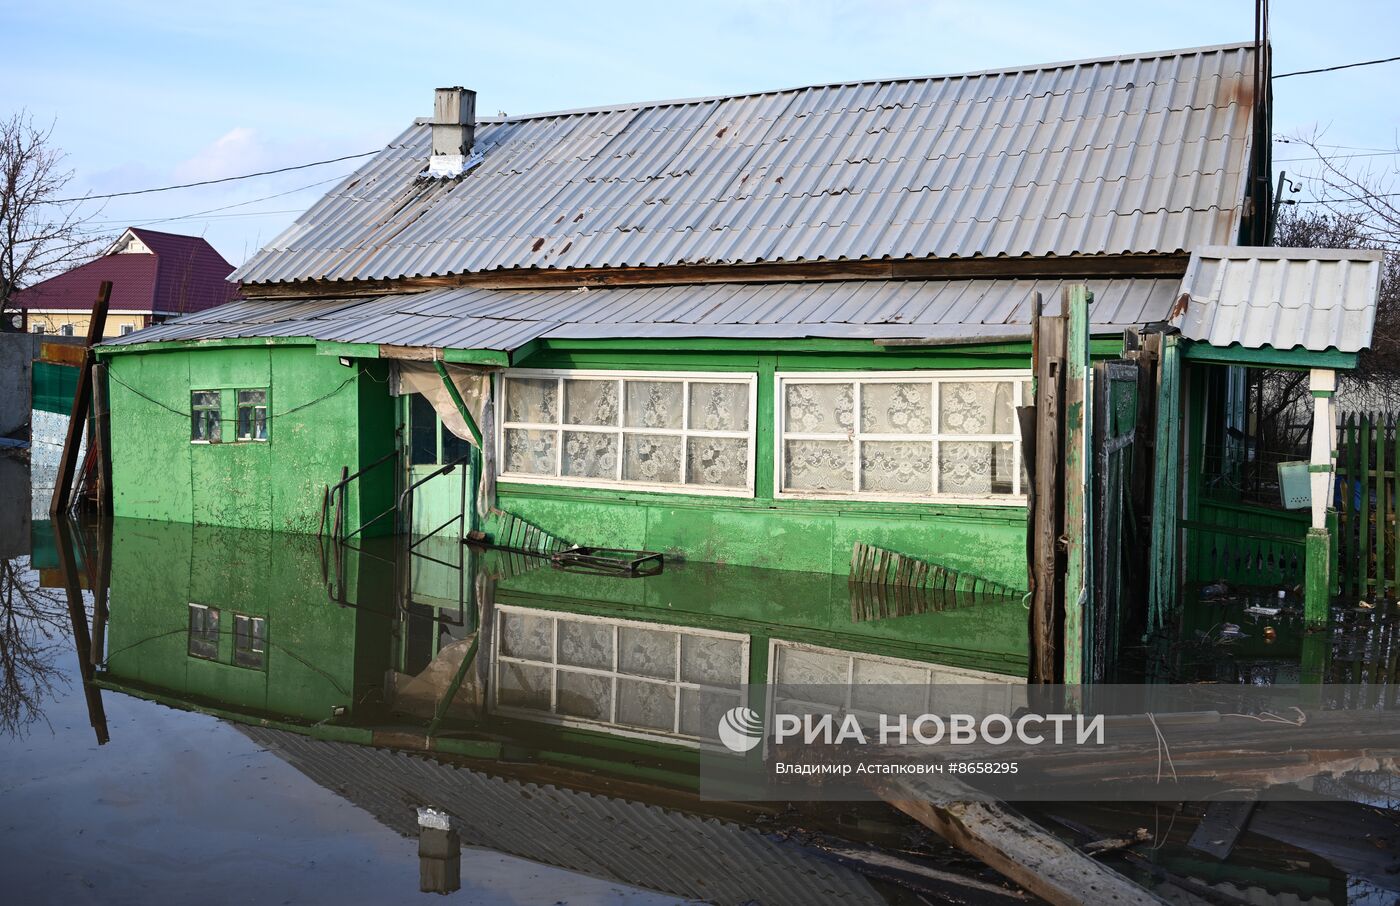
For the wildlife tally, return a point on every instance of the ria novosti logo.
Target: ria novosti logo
(740, 729)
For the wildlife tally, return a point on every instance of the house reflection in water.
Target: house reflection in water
(565, 711)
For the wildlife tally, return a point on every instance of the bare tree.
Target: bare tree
(39, 234)
(1375, 384)
(34, 632)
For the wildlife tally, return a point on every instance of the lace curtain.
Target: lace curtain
(896, 429)
(628, 417)
(633, 673)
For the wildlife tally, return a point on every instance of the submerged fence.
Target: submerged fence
(1368, 488)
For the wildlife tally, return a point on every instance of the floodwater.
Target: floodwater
(180, 806)
(200, 714)
(256, 708)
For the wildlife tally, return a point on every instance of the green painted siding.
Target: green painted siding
(312, 663)
(323, 416)
(764, 531)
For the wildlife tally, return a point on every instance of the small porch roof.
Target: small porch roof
(1313, 300)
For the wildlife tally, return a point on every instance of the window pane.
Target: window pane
(584, 695)
(524, 686)
(252, 397)
(701, 710)
(422, 423)
(717, 461)
(654, 458)
(648, 705)
(527, 636)
(654, 404)
(453, 447)
(204, 632)
(719, 407)
(972, 467)
(205, 398)
(902, 408)
(711, 661)
(529, 452)
(646, 652)
(896, 467)
(586, 644)
(975, 407)
(818, 408)
(817, 465)
(590, 402)
(588, 454)
(248, 641)
(533, 400)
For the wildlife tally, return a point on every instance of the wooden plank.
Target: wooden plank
(1078, 482)
(1166, 497)
(1047, 509)
(1222, 825)
(1012, 844)
(1084, 266)
(82, 399)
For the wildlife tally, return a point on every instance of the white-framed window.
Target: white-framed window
(128, 328)
(904, 436)
(654, 431)
(627, 677)
(813, 679)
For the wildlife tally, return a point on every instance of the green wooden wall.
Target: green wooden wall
(313, 662)
(324, 416)
(764, 531)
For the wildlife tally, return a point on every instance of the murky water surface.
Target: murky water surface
(199, 714)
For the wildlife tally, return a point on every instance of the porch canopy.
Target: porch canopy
(1274, 307)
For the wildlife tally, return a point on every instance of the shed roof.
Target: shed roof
(1121, 155)
(1313, 299)
(507, 319)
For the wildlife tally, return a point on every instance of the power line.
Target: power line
(210, 182)
(1357, 198)
(1292, 160)
(1284, 75)
(1299, 141)
(137, 221)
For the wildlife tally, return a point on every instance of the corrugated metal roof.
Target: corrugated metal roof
(1132, 154)
(621, 840)
(1316, 299)
(506, 319)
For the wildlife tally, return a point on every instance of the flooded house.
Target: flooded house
(543, 443)
(789, 330)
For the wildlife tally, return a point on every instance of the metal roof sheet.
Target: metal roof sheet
(506, 319)
(637, 843)
(1316, 299)
(1120, 155)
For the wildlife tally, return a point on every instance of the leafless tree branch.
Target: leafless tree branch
(38, 237)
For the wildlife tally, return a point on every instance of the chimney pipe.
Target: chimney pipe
(454, 131)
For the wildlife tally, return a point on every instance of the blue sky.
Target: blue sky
(148, 93)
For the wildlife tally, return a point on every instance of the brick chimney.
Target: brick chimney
(454, 131)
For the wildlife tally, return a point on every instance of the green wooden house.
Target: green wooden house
(750, 330)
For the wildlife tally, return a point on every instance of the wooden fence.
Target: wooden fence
(1368, 486)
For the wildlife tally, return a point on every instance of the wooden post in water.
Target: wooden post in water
(1047, 504)
(82, 398)
(1078, 471)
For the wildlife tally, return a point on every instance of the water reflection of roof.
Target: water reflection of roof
(616, 839)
